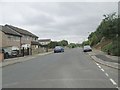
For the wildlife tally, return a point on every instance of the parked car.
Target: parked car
(58, 49)
(6, 54)
(14, 53)
(87, 48)
(10, 54)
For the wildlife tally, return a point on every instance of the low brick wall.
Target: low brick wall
(49, 50)
(1, 57)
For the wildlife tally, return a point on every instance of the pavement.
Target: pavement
(71, 69)
(21, 59)
(104, 59)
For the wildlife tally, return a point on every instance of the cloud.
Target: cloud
(57, 20)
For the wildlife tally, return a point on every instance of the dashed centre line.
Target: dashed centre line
(103, 70)
(106, 74)
(97, 63)
(99, 67)
(113, 82)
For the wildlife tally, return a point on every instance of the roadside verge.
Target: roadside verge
(100, 61)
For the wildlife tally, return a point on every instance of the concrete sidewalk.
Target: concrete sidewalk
(107, 60)
(21, 59)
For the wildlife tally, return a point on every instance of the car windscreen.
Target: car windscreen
(58, 47)
(87, 47)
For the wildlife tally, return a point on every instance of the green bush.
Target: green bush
(113, 48)
(116, 47)
(107, 48)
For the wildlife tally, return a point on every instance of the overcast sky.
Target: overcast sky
(72, 21)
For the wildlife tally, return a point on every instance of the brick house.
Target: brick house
(44, 41)
(1, 54)
(44, 44)
(9, 38)
(28, 39)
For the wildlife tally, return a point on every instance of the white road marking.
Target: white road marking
(106, 74)
(99, 67)
(97, 64)
(103, 70)
(114, 83)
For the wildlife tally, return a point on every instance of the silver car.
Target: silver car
(87, 48)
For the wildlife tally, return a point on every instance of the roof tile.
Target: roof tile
(21, 31)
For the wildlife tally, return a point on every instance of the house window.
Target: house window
(16, 38)
(26, 37)
(9, 37)
(13, 38)
(33, 39)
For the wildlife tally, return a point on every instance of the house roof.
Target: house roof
(34, 43)
(21, 31)
(9, 31)
(44, 40)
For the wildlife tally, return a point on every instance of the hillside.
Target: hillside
(102, 43)
(107, 35)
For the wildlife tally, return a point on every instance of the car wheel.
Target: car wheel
(6, 55)
(84, 51)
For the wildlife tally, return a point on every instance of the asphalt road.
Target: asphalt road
(71, 69)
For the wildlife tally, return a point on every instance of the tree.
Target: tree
(73, 45)
(85, 43)
(64, 43)
(109, 26)
(52, 44)
(109, 30)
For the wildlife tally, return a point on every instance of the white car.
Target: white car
(87, 48)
